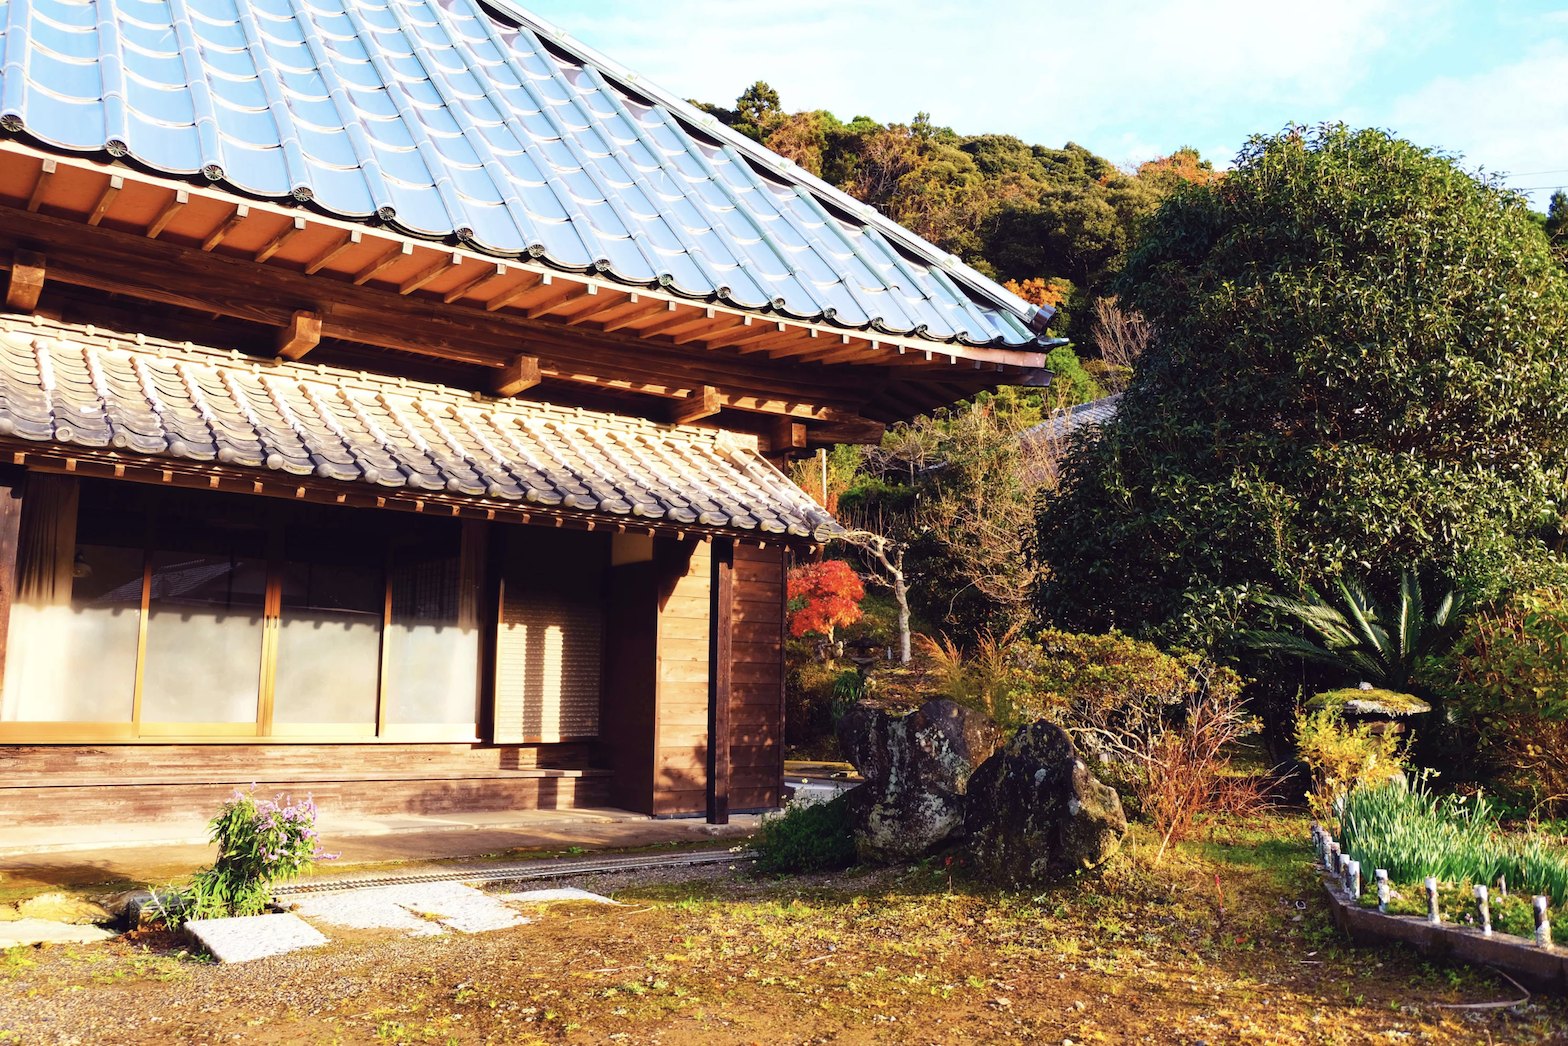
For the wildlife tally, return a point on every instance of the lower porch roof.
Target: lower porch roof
(128, 399)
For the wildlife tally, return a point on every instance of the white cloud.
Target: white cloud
(1513, 118)
(1128, 78)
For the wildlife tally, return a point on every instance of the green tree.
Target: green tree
(1359, 362)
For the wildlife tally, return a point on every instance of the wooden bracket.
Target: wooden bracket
(302, 334)
(27, 281)
(702, 403)
(522, 373)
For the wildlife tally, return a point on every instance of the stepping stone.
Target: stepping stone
(46, 931)
(254, 936)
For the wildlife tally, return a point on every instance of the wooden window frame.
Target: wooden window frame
(263, 728)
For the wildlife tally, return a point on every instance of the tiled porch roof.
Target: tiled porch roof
(138, 396)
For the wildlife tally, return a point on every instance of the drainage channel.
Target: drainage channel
(521, 872)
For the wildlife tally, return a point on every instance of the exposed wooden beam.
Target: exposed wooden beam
(41, 186)
(165, 216)
(730, 319)
(322, 260)
(599, 309)
(487, 274)
(507, 297)
(675, 321)
(27, 281)
(419, 279)
(116, 183)
(626, 319)
(383, 263)
(522, 373)
(555, 301)
(302, 334)
(704, 402)
(750, 330)
(278, 242)
(216, 284)
(228, 225)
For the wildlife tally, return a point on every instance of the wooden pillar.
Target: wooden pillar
(786, 561)
(720, 679)
(11, 480)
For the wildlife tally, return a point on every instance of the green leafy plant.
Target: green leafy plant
(807, 837)
(1508, 679)
(1385, 646)
(1412, 834)
(1343, 758)
(260, 843)
(1362, 358)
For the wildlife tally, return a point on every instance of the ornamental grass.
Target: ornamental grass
(1413, 834)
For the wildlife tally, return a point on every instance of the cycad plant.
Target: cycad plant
(1373, 644)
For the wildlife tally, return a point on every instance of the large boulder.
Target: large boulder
(1034, 811)
(917, 767)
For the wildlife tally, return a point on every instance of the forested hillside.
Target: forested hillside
(1054, 223)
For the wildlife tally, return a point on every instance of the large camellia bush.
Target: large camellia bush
(1360, 359)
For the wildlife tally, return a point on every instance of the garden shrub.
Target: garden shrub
(807, 837)
(1343, 758)
(260, 843)
(1508, 678)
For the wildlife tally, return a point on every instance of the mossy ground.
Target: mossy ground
(1227, 940)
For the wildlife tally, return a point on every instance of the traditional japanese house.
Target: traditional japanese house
(393, 400)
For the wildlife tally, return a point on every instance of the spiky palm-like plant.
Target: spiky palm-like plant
(1375, 644)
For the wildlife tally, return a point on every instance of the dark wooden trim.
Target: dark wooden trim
(12, 480)
(522, 373)
(704, 402)
(492, 596)
(721, 673)
(786, 560)
(300, 335)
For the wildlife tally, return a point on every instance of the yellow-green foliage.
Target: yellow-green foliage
(1343, 757)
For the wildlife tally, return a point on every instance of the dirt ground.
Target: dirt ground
(1227, 940)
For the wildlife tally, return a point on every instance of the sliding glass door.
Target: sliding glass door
(145, 612)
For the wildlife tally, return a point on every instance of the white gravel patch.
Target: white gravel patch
(567, 893)
(418, 909)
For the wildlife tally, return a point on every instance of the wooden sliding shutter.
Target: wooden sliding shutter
(549, 652)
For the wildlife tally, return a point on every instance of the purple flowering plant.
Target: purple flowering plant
(260, 842)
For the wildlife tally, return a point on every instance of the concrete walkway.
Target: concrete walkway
(32, 860)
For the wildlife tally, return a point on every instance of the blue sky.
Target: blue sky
(1128, 79)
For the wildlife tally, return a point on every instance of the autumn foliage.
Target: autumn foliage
(823, 596)
(1040, 291)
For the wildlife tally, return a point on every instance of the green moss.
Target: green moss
(1354, 701)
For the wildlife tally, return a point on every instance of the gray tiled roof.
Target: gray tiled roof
(447, 121)
(1095, 412)
(79, 386)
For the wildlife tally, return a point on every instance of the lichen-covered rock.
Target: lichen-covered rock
(1034, 812)
(917, 767)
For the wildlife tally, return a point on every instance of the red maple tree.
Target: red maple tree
(823, 596)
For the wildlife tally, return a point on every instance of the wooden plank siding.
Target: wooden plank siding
(757, 697)
(680, 773)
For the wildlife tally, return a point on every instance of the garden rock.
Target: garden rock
(917, 769)
(1034, 811)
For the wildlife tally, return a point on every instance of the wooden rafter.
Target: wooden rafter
(507, 297)
(41, 186)
(610, 304)
(228, 225)
(487, 275)
(430, 272)
(176, 203)
(278, 242)
(347, 243)
(398, 252)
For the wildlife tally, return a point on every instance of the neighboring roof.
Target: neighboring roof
(135, 397)
(449, 120)
(1063, 423)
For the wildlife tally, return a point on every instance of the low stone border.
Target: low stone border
(1539, 969)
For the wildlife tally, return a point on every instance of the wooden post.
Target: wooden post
(720, 679)
(522, 373)
(786, 560)
(27, 281)
(302, 334)
(11, 480)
